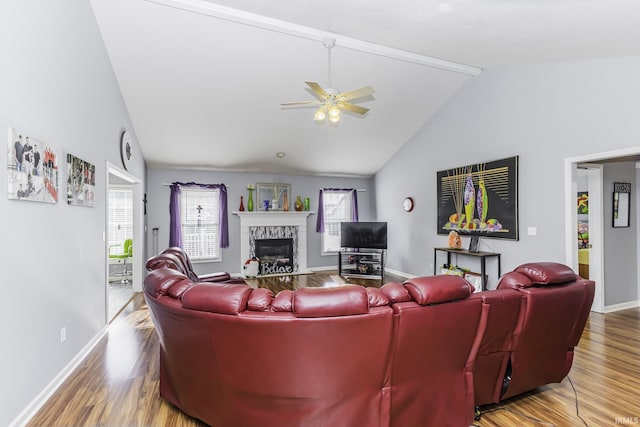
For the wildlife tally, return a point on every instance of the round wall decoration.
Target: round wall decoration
(407, 204)
(125, 148)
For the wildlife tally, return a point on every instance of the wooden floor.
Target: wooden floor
(117, 385)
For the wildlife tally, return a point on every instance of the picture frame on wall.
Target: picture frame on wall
(81, 182)
(479, 199)
(621, 204)
(32, 167)
(273, 196)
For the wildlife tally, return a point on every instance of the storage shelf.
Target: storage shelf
(361, 263)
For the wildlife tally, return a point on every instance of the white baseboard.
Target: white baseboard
(30, 411)
(399, 273)
(621, 306)
(324, 268)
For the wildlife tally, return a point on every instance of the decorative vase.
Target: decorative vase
(298, 204)
(285, 202)
(265, 204)
(250, 201)
(241, 208)
(307, 204)
(274, 204)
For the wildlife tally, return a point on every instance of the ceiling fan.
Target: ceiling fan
(330, 100)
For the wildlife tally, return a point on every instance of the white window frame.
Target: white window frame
(120, 218)
(200, 231)
(337, 209)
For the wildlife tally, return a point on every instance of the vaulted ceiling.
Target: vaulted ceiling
(203, 81)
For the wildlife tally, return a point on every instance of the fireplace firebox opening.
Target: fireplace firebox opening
(275, 255)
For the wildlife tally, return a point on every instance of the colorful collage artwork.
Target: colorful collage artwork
(32, 169)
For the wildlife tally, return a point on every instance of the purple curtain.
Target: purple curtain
(175, 229)
(354, 206)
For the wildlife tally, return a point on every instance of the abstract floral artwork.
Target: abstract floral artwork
(480, 199)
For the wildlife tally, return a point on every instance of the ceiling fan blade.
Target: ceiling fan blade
(357, 93)
(289, 104)
(315, 87)
(353, 108)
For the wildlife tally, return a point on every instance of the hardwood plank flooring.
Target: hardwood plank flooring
(117, 385)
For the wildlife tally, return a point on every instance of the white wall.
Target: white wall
(542, 113)
(305, 186)
(57, 85)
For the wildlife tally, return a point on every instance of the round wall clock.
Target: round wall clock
(125, 148)
(407, 204)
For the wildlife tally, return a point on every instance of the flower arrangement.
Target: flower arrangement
(251, 187)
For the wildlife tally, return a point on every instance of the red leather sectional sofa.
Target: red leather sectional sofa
(420, 353)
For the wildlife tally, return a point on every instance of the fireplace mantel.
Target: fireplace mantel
(274, 219)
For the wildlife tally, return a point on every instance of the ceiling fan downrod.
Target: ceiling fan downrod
(329, 43)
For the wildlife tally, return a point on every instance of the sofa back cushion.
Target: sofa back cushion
(395, 292)
(438, 289)
(167, 260)
(431, 378)
(329, 302)
(224, 298)
(544, 349)
(547, 273)
(161, 281)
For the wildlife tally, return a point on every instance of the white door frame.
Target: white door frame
(571, 218)
(138, 224)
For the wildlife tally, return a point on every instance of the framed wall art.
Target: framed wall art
(32, 169)
(621, 204)
(273, 196)
(480, 200)
(81, 181)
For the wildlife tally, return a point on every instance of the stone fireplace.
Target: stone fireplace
(271, 227)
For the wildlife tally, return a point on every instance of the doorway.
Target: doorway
(123, 240)
(591, 169)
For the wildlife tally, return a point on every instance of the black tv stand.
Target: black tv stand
(361, 263)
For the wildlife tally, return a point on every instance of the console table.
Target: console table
(482, 255)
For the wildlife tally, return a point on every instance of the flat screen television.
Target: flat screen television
(369, 235)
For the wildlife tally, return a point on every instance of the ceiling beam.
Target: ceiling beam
(234, 15)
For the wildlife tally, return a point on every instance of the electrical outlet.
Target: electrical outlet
(532, 231)
(63, 335)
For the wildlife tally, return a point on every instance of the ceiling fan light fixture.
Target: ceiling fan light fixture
(334, 111)
(320, 114)
(334, 118)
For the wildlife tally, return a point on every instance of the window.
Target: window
(120, 217)
(199, 219)
(337, 208)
